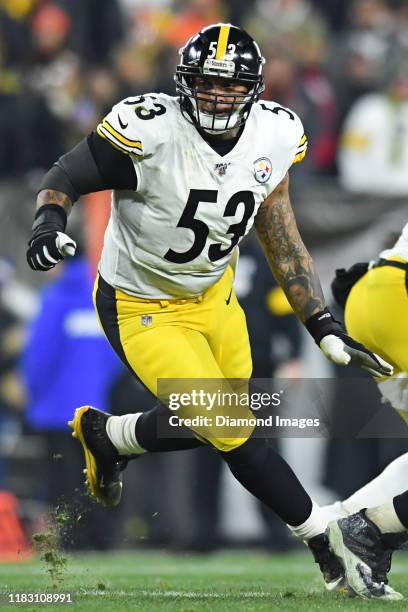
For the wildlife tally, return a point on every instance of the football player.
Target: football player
(190, 176)
(375, 313)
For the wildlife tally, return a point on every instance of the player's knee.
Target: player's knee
(227, 438)
(226, 445)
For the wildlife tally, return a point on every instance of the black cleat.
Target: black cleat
(103, 463)
(331, 568)
(365, 554)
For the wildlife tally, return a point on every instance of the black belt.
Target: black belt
(389, 262)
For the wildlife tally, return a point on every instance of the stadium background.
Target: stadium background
(63, 64)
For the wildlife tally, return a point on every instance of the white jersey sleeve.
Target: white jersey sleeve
(127, 126)
(291, 134)
(284, 130)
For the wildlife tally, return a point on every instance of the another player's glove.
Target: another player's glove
(340, 348)
(49, 244)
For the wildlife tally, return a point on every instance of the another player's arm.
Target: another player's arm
(293, 268)
(287, 255)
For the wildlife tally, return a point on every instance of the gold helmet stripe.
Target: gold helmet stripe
(222, 42)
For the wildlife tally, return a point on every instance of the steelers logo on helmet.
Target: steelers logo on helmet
(262, 169)
(226, 55)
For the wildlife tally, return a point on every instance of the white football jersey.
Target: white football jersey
(174, 236)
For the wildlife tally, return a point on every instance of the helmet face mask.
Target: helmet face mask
(217, 112)
(219, 78)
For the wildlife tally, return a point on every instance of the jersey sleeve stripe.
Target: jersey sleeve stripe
(302, 148)
(107, 136)
(299, 156)
(118, 136)
(302, 145)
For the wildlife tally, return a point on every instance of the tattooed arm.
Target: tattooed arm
(50, 196)
(287, 256)
(294, 269)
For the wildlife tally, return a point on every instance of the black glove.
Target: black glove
(341, 349)
(49, 244)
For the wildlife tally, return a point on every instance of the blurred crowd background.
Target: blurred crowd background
(342, 65)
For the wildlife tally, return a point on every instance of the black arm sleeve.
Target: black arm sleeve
(116, 168)
(92, 165)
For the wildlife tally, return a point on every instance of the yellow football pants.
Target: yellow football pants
(376, 314)
(194, 338)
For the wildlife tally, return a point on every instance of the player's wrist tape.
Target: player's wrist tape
(322, 324)
(49, 218)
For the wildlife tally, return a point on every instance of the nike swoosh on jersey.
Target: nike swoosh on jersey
(227, 301)
(122, 125)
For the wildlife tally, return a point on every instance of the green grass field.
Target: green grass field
(162, 582)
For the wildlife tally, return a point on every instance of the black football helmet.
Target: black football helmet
(225, 51)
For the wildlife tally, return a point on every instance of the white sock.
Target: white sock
(121, 431)
(391, 482)
(386, 518)
(314, 525)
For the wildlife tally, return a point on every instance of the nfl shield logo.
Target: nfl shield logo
(146, 320)
(262, 169)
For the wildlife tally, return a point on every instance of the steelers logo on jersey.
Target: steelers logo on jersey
(262, 169)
